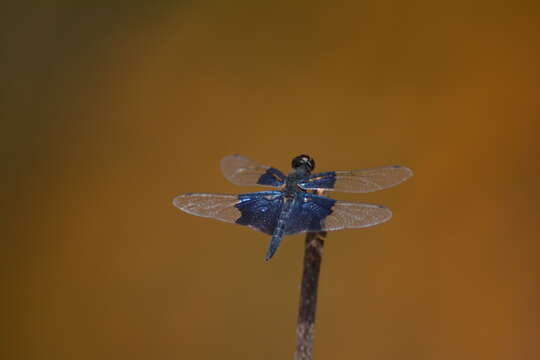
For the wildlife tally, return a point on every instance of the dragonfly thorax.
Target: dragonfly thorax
(291, 183)
(302, 166)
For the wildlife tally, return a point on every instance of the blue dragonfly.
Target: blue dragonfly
(292, 208)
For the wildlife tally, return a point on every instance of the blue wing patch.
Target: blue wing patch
(260, 210)
(308, 214)
(272, 177)
(324, 180)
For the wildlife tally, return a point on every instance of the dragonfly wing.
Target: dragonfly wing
(360, 181)
(240, 170)
(319, 213)
(259, 210)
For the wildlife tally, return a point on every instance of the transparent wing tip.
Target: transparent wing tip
(181, 201)
(407, 173)
(380, 214)
(387, 213)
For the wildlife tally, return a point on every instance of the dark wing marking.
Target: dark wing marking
(308, 213)
(259, 210)
(319, 213)
(240, 170)
(361, 181)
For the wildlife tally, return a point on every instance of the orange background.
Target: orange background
(109, 112)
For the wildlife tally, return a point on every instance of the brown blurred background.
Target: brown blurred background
(109, 111)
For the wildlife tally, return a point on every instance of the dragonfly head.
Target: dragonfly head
(304, 163)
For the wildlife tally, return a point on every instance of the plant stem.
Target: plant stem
(308, 295)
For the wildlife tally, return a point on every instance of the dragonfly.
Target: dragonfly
(294, 206)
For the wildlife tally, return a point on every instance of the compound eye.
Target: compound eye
(303, 160)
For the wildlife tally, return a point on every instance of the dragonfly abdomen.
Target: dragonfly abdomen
(284, 217)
